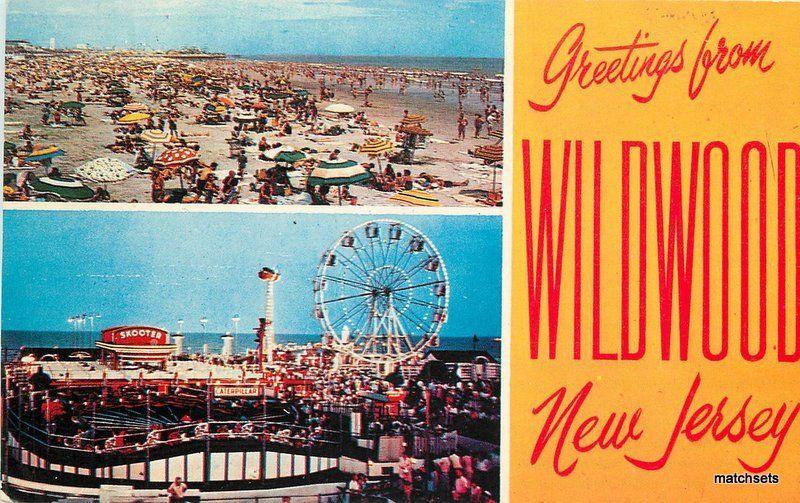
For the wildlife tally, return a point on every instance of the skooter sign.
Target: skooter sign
(135, 336)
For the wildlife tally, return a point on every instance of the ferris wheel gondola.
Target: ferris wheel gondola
(381, 293)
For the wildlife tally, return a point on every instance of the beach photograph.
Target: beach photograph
(324, 102)
(312, 358)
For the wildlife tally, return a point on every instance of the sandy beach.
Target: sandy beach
(444, 157)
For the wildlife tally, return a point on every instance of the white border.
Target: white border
(505, 212)
(508, 230)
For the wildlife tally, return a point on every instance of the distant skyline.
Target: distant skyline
(428, 28)
(154, 268)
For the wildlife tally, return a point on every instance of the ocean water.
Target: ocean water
(193, 342)
(486, 66)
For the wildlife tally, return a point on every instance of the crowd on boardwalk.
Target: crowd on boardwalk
(304, 409)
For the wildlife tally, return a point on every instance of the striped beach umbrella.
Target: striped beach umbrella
(133, 118)
(44, 153)
(334, 173)
(376, 146)
(155, 136)
(415, 197)
(290, 156)
(497, 133)
(177, 156)
(414, 129)
(412, 119)
(490, 153)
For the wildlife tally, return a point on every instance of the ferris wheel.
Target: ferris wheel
(381, 293)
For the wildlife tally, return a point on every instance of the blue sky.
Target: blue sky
(472, 28)
(153, 268)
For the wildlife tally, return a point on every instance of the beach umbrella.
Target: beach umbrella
(134, 117)
(374, 147)
(244, 117)
(414, 129)
(9, 148)
(105, 170)
(69, 105)
(339, 108)
(412, 119)
(70, 189)
(177, 156)
(259, 105)
(155, 136)
(118, 91)
(44, 154)
(135, 107)
(301, 93)
(492, 154)
(497, 133)
(415, 197)
(334, 173)
(290, 156)
(337, 173)
(226, 101)
(278, 96)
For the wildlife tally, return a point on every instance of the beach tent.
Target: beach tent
(105, 170)
(415, 197)
(69, 189)
(133, 118)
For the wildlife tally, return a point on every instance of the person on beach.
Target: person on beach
(157, 186)
(462, 127)
(478, 125)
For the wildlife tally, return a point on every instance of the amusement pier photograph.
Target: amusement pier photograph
(273, 102)
(250, 356)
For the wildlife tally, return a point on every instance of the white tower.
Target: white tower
(178, 339)
(270, 277)
(52, 43)
(227, 345)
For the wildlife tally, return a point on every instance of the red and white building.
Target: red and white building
(135, 344)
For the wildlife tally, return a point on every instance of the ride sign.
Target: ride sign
(135, 336)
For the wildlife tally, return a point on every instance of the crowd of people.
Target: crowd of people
(260, 104)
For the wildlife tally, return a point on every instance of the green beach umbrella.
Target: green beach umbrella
(338, 173)
(67, 105)
(66, 188)
(289, 156)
